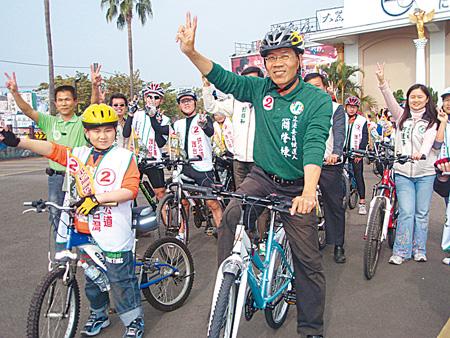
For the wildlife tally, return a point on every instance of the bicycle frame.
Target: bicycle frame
(240, 263)
(86, 243)
(385, 189)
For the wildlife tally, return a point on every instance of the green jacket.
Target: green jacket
(291, 130)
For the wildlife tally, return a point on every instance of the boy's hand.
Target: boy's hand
(202, 121)
(9, 138)
(86, 205)
(11, 84)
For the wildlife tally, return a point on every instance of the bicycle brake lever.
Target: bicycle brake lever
(29, 210)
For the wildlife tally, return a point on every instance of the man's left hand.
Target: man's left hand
(303, 204)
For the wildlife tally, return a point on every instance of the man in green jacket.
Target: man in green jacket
(292, 124)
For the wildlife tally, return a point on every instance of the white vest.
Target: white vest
(109, 226)
(408, 140)
(143, 127)
(224, 134)
(356, 132)
(329, 144)
(445, 149)
(199, 143)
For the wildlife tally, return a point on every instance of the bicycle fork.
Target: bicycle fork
(386, 217)
(236, 264)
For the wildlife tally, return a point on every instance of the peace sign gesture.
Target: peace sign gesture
(186, 35)
(379, 72)
(96, 77)
(11, 84)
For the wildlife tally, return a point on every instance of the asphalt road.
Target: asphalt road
(411, 300)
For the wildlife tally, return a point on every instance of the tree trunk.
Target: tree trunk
(130, 55)
(51, 71)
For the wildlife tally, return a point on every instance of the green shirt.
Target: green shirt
(68, 133)
(290, 130)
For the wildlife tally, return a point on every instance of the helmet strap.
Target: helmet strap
(281, 90)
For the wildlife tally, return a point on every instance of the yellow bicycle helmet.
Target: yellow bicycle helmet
(97, 115)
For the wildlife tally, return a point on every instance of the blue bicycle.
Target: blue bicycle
(165, 274)
(245, 280)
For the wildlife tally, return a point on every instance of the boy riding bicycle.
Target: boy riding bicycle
(105, 177)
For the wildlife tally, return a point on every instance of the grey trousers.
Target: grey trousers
(302, 235)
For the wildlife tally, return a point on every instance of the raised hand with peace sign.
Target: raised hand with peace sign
(186, 38)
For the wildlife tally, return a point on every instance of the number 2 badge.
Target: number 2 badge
(268, 102)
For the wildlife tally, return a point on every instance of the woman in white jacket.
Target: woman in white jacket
(417, 124)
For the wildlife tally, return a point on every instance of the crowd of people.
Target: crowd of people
(286, 136)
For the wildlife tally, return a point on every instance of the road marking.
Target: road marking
(20, 172)
(445, 333)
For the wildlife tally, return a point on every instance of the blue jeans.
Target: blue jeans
(56, 195)
(124, 288)
(414, 198)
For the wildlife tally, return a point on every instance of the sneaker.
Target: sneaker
(420, 257)
(397, 260)
(94, 325)
(181, 236)
(446, 260)
(135, 329)
(362, 209)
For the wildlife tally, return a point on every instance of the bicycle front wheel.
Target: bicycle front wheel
(169, 264)
(346, 187)
(55, 307)
(372, 246)
(225, 308)
(353, 199)
(168, 217)
(279, 273)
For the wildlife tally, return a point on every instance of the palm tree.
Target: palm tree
(51, 70)
(340, 78)
(123, 10)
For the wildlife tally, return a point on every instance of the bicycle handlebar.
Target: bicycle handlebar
(274, 202)
(151, 162)
(41, 205)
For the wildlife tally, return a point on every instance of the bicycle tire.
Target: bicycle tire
(353, 199)
(224, 310)
(392, 232)
(346, 184)
(278, 270)
(372, 246)
(69, 308)
(170, 223)
(322, 234)
(160, 251)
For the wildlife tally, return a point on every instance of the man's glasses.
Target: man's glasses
(273, 58)
(119, 105)
(184, 101)
(154, 97)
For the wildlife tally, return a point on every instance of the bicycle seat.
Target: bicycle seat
(186, 179)
(143, 219)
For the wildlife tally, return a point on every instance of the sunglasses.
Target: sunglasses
(156, 97)
(119, 105)
(184, 101)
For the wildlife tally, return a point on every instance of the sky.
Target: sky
(82, 36)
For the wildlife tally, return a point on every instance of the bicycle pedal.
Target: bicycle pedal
(290, 297)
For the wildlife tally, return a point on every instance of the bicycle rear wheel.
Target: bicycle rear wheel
(55, 307)
(225, 308)
(279, 273)
(372, 246)
(393, 230)
(168, 218)
(346, 187)
(168, 259)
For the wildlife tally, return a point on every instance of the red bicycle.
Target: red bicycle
(383, 209)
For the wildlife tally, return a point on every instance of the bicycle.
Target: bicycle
(165, 275)
(383, 209)
(321, 226)
(171, 213)
(223, 170)
(351, 196)
(245, 281)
